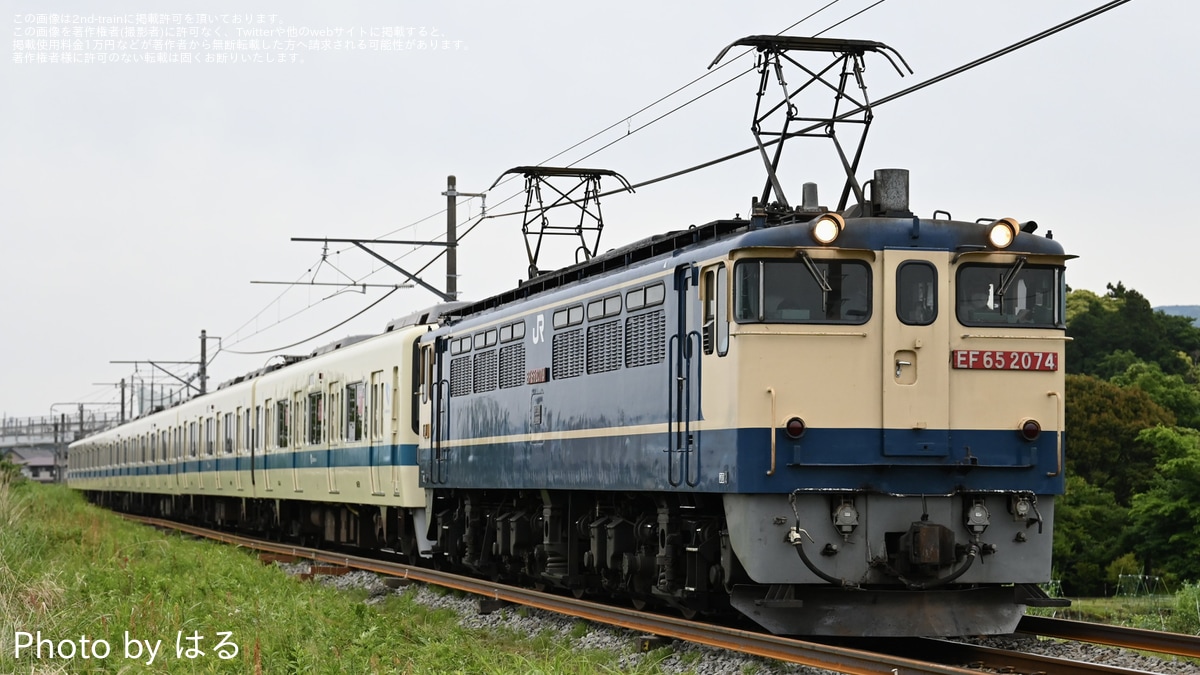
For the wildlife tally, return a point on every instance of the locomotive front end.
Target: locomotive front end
(906, 375)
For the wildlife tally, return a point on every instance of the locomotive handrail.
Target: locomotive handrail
(771, 391)
(1057, 431)
(795, 333)
(977, 336)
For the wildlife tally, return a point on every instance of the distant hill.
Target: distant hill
(1192, 311)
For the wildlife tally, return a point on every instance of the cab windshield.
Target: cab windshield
(802, 290)
(1010, 294)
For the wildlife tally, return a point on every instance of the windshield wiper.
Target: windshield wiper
(816, 274)
(1010, 276)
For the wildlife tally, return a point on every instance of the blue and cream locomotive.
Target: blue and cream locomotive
(802, 416)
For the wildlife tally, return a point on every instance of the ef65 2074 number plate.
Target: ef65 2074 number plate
(986, 359)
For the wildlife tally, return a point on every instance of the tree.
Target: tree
(1172, 392)
(1124, 320)
(1088, 524)
(1103, 423)
(1166, 518)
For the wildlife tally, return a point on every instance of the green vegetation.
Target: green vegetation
(73, 571)
(1133, 449)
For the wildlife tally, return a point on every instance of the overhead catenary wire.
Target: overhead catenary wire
(675, 174)
(514, 195)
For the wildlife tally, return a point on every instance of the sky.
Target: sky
(142, 202)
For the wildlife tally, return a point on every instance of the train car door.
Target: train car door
(326, 420)
(916, 316)
(388, 469)
(683, 354)
(267, 432)
(295, 438)
(240, 438)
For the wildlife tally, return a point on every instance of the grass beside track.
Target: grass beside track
(72, 571)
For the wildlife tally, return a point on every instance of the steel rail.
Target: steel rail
(1176, 644)
(1000, 660)
(839, 659)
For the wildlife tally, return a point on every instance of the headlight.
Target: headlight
(827, 228)
(1003, 232)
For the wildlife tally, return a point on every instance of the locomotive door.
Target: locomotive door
(916, 315)
(440, 400)
(683, 383)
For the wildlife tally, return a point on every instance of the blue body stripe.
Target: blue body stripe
(737, 461)
(354, 457)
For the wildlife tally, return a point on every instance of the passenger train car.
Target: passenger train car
(841, 422)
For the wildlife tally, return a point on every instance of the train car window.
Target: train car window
(461, 345)
(568, 316)
(426, 372)
(414, 386)
(722, 311)
(485, 339)
(193, 439)
(708, 292)
(635, 299)
(485, 371)
(229, 429)
(506, 334)
(283, 421)
(990, 294)
(829, 291)
(210, 435)
(567, 360)
(512, 366)
(916, 293)
(603, 308)
(316, 415)
(655, 294)
(333, 412)
(356, 403)
(518, 330)
(645, 339)
(376, 407)
(298, 418)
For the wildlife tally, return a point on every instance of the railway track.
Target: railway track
(885, 657)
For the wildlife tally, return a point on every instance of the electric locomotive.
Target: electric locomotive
(800, 416)
(841, 421)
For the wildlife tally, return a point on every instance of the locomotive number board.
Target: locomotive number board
(977, 359)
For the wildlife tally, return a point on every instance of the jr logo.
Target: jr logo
(539, 328)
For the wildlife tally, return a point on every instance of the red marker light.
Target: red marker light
(1030, 430)
(794, 428)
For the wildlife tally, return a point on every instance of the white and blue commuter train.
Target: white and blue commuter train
(838, 422)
